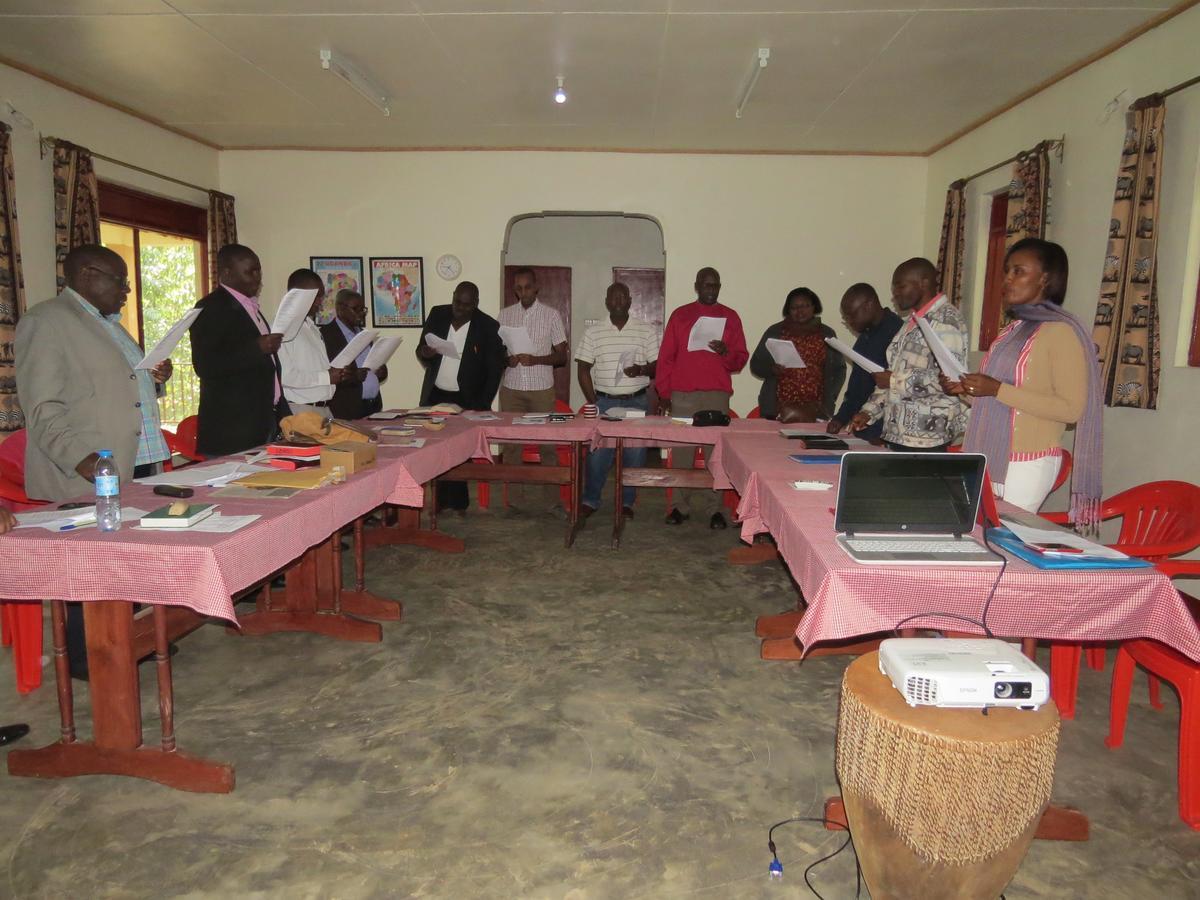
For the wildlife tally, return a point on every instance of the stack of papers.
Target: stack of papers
(293, 309)
(706, 329)
(516, 339)
(70, 519)
(869, 366)
(481, 416)
(353, 348)
(162, 350)
(948, 362)
(216, 475)
(785, 354)
(381, 352)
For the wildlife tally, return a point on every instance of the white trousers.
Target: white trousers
(1028, 482)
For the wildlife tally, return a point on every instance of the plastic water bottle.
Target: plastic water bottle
(108, 493)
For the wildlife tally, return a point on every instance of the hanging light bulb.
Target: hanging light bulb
(560, 96)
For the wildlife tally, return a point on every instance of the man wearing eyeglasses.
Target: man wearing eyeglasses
(79, 386)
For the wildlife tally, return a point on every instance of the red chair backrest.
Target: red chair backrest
(12, 473)
(754, 414)
(1159, 518)
(1064, 471)
(185, 438)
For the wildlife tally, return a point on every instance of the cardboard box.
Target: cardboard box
(354, 456)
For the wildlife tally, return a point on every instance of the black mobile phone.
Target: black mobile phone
(171, 490)
(77, 504)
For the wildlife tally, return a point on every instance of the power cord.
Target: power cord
(775, 869)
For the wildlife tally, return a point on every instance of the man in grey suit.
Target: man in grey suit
(81, 392)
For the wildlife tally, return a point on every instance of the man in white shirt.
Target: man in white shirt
(616, 361)
(528, 383)
(308, 379)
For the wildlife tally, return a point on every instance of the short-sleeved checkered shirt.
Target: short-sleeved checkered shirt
(545, 327)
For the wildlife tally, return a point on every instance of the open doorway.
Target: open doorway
(577, 255)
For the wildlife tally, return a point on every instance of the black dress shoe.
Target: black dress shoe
(627, 512)
(717, 522)
(675, 517)
(10, 733)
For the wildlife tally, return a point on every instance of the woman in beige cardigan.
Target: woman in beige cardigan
(1039, 377)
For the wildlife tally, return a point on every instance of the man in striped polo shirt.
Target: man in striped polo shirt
(616, 361)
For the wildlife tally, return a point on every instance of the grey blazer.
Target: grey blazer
(79, 396)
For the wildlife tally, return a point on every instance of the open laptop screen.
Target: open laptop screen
(909, 493)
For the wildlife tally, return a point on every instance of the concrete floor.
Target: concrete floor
(543, 723)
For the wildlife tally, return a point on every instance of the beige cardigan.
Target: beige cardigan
(1051, 393)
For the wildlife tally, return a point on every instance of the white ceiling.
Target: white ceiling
(889, 76)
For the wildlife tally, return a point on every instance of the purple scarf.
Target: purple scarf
(990, 430)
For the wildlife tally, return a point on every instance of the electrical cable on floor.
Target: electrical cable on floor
(775, 869)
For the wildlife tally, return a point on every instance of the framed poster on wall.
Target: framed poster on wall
(397, 292)
(337, 273)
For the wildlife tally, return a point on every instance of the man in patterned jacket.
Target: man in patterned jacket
(917, 415)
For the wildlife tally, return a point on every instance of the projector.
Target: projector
(963, 673)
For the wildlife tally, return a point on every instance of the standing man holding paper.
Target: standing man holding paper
(690, 380)
(307, 378)
(235, 356)
(528, 382)
(875, 326)
(917, 415)
(358, 397)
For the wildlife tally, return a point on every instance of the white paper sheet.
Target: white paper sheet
(950, 365)
(811, 485)
(388, 414)
(162, 350)
(707, 328)
(403, 442)
(381, 351)
(292, 309)
(71, 519)
(481, 416)
(355, 346)
(624, 362)
(1033, 534)
(785, 354)
(516, 339)
(216, 475)
(442, 346)
(867, 365)
(214, 524)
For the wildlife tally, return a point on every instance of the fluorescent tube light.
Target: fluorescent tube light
(764, 54)
(340, 66)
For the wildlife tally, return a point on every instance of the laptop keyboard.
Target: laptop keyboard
(908, 545)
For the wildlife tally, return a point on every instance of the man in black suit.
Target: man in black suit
(355, 398)
(234, 354)
(472, 380)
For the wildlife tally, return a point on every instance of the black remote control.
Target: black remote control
(171, 490)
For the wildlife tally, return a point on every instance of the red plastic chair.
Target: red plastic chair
(1163, 662)
(20, 623)
(1159, 520)
(755, 413)
(184, 440)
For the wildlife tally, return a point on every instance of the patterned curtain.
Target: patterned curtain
(1027, 194)
(950, 250)
(222, 230)
(76, 203)
(1126, 326)
(12, 289)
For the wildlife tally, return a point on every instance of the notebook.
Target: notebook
(911, 508)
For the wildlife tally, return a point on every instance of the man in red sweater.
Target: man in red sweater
(688, 381)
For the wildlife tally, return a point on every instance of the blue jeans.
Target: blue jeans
(600, 461)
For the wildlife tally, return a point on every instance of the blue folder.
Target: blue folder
(1006, 540)
(817, 458)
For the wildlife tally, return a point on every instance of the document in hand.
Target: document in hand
(381, 352)
(707, 328)
(867, 365)
(356, 345)
(785, 354)
(167, 343)
(624, 363)
(442, 346)
(516, 339)
(948, 362)
(292, 309)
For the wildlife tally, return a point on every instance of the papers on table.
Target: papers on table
(811, 485)
(388, 414)
(618, 413)
(292, 310)
(442, 346)
(1035, 535)
(707, 328)
(785, 354)
(404, 442)
(516, 339)
(70, 519)
(355, 346)
(950, 365)
(381, 352)
(481, 416)
(239, 492)
(213, 524)
(867, 365)
(217, 475)
(162, 350)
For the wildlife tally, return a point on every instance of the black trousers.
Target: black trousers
(450, 494)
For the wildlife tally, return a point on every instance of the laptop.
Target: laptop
(911, 508)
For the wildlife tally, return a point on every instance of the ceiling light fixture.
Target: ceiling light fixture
(760, 63)
(560, 96)
(340, 66)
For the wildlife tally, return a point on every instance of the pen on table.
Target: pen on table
(68, 527)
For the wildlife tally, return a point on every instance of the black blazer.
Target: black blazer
(347, 402)
(483, 359)
(237, 381)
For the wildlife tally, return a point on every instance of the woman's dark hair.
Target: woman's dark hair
(802, 292)
(1053, 260)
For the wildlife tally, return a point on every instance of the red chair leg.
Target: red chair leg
(483, 492)
(1095, 657)
(27, 645)
(1155, 692)
(1118, 704)
(1064, 677)
(1189, 750)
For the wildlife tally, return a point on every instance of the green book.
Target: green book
(162, 518)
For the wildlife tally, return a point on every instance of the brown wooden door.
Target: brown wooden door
(554, 289)
(993, 279)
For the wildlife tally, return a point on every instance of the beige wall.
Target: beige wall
(1138, 445)
(59, 113)
(769, 223)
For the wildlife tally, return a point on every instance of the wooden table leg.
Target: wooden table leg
(618, 490)
(116, 747)
(576, 491)
(1059, 823)
(752, 555)
(408, 531)
(788, 648)
(781, 625)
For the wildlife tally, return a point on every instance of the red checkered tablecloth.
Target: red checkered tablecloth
(846, 600)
